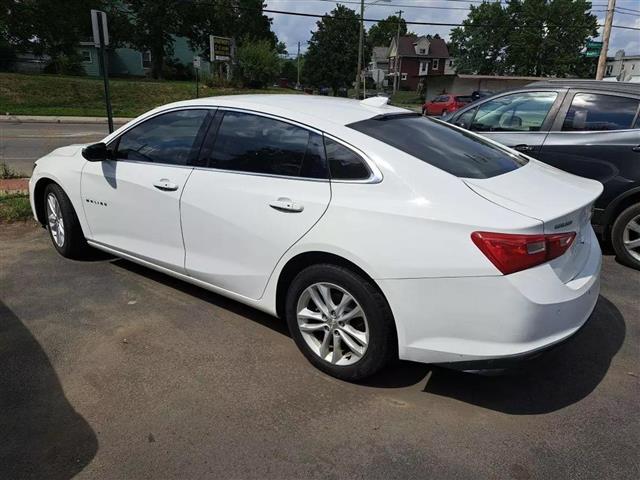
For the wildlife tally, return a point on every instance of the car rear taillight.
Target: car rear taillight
(513, 252)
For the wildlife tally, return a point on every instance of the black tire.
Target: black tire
(74, 244)
(617, 233)
(382, 345)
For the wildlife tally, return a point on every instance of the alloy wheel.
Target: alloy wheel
(332, 323)
(56, 222)
(631, 237)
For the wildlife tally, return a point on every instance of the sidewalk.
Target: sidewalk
(60, 119)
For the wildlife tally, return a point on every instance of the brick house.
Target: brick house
(418, 58)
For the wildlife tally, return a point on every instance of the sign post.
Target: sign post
(101, 41)
(196, 67)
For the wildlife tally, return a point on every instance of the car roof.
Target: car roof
(312, 110)
(619, 87)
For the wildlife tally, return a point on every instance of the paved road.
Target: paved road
(23, 143)
(109, 370)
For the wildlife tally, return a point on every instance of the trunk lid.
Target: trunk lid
(561, 201)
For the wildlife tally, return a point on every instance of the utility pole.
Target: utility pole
(602, 60)
(298, 82)
(360, 42)
(395, 61)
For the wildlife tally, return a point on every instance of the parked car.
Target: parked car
(443, 104)
(585, 127)
(374, 231)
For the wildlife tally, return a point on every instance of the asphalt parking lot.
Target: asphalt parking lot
(109, 370)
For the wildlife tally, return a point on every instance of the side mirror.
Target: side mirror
(96, 153)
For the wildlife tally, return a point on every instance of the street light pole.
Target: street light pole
(602, 60)
(360, 44)
(395, 61)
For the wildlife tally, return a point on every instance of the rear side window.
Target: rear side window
(168, 138)
(441, 145)
(256, 144)
(594, 112)
(344, 163)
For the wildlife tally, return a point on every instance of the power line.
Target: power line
(376, 20)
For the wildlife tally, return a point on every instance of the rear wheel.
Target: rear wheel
(62, 223)
(625, 236)
(340, 321)
(444, 112)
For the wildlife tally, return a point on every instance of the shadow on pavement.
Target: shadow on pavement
(275, 324)
(554, 380)
(41, 435)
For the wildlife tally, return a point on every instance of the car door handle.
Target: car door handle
(286, 205)
(636, 148)
(165, 185)
(523, 147)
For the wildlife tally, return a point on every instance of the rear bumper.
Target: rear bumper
(470, 319)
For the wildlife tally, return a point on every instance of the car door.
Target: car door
(518, 120)
(132, 202)
(597, 135)
(262, 184)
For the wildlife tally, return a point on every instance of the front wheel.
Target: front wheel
(62, 223)
(625, 236)
(340, 321)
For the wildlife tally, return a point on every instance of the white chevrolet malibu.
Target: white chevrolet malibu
(375, 232)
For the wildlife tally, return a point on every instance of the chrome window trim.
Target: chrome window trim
(374, 177)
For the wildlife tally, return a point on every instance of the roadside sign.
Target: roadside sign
(593, 49)
(220, 48)
(196, 63)
(97, 17)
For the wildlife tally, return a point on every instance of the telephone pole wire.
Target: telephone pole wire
(602, 60)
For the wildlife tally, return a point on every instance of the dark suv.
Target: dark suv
(585, 127)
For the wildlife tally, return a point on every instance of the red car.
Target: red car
(444, 104)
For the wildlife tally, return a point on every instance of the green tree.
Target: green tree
(381, 34)
(332, 56)
(525, 37)
(258, 63)
(478, 48)
(47, 27)
(289, 70)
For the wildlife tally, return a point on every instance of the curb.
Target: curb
(14, 185)
(60, 119)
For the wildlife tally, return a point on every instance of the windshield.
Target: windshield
(439, 144)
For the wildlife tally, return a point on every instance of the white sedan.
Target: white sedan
(375, 232)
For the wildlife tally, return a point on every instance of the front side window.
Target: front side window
(344, 163)
(439, 144)
(593, 112)
(168, 138)
(256, 144)
(518, 112)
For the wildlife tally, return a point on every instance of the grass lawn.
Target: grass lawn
(82, 96)
(14, 207)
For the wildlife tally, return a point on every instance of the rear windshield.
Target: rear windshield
(441, 99)
(441, 145)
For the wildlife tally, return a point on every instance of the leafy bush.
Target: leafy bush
(258, 63)
(65, 65)
(173, 69)
(7, 56)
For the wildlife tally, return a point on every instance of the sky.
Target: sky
(293, 29)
